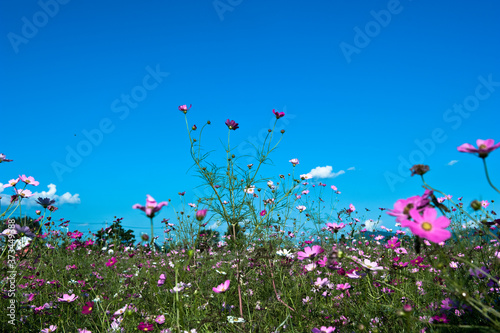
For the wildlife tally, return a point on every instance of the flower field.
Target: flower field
(434, 272)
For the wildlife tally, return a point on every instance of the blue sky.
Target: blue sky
(368, 87)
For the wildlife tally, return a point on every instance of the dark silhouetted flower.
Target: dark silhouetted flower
(45, 202)
(232, 125)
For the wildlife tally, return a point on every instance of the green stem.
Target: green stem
(152, 236)
(488, 176)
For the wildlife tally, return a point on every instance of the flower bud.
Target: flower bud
(476, 205)
(38, 212)
(200, 215)
(194, 127)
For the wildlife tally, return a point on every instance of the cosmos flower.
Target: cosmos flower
(310, 252)
(45, 202)
(278, 114)
(428, 226)
(232, 125)
(29, 180)
(152, 207)
(221, 288)
(184, 108)
(484, 147)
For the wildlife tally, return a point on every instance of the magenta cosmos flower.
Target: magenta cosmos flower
(111, 262)
(484, 147)
(222, 287)
(152, 207)
(87, 308)
(402, 207)
(310, 252)
(184, 108)
(232, 125)
(278, 114)
(145, 327)
(428, 226)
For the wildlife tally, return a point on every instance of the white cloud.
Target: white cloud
(66, 198)
(371, 225)
(325, 172)
(452, 162)
(351, 168)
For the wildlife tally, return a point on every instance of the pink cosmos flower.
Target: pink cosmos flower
(29, 180)
(232, 125)
(343, 286)
(83, 330)
(392, 243)
(222, 287)
(68, 298)
(334, 227)
(111, 262)
(351, 208)
(11, 182)
(200, 215)
(278, 114)
(263, 213)
(402, 207)
(184, 108)
(373, 266)
(484, 147)
(160, 319)
(323, 329)
(23, 193)
(152, 207)
(51, 328)
(161, 280)
(301, 208)
(121, 311)
(428, 226)
(310, 252)
(294, 161)
(4, 159)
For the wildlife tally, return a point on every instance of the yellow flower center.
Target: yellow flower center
(426, 226)
(483, 146)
